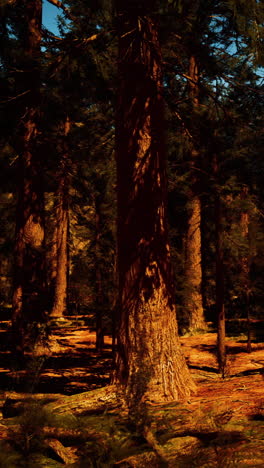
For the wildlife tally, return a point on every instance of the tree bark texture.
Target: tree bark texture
(149, 361)
(62, 230)
(219, 278)
(245, 266)
(193, 302)
(193, 271)
(29, 295)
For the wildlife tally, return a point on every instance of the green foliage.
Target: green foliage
(220, 128)
(26, 444)
(28, 441)
(122, 438)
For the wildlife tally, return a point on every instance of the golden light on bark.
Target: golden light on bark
(193, 303)
(193, 268)
(149, 360)
(61, 230)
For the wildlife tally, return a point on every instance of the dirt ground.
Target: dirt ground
(242, 387)
(225, 415)
(72, 365)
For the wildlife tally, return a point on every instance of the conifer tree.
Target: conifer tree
(218, 37)
(193, 262)
(149, 361)
(88, 67)
(60, 248)
(29, 266)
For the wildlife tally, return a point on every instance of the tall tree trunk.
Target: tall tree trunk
(61, 231)
(52, 264)
(245, 267)
(193, 271)
(149, 361)
(29, 263)
(219, 278)
(193, 302)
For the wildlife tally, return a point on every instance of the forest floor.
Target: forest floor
(56, 424)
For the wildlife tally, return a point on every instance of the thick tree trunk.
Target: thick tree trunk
(193, 302)
(61, 231)
(29, 263)
(149, 361)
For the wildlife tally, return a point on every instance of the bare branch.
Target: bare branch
(186, 131)
(15, 97)
(93, 37)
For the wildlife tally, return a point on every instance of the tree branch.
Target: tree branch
(15, 97)
(66, 10)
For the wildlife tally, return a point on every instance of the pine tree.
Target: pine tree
(88, 67)
(193, 262)
(29, 266)
(149, 361)
(61, 231)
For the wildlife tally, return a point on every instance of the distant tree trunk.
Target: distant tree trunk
(29, 264)
(61, 231)
(52, 265)
(149, 361)
(220, 306)
(245, 267)
(193, 302)
(219, 278)
(99, 294)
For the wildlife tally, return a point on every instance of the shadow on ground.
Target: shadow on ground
(73, 366)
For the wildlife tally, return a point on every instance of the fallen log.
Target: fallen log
(12, 428)
(66, 454)
(95, 401)
(16, 403)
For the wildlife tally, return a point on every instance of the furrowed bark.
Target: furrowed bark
(61, 231)
(193, 302)
(149, 361)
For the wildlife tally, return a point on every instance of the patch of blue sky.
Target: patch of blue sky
(49, 17)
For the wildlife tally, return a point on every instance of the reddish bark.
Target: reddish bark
(149, 361)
